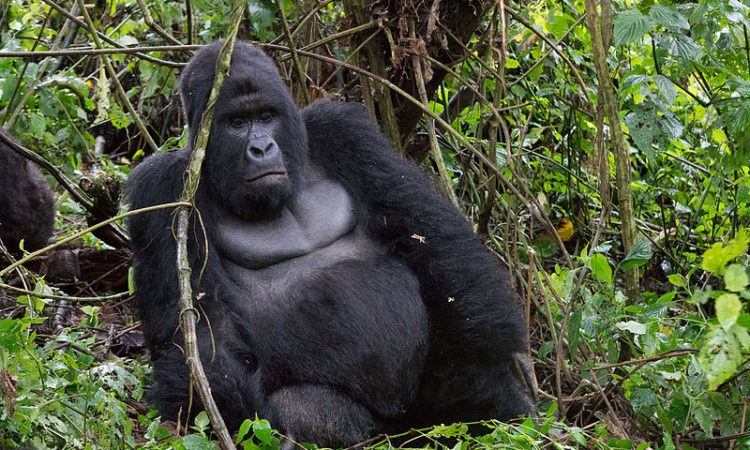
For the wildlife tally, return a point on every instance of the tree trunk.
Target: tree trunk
(442, 29)
(620, 146)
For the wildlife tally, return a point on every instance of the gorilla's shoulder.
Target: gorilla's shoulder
(337, 126)
(325, 113)
(158, 179)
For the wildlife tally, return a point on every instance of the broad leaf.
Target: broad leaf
(632, 326)
(668, 17)
(630, 26)
(735, 278)
(718, 256)
(600, 267)
(666, 88)
(728, 308)
(637, 257)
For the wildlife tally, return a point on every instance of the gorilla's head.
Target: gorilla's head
(258, 145)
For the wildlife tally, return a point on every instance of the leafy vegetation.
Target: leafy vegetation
(667, 367)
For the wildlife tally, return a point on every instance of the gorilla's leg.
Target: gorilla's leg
(319, 414)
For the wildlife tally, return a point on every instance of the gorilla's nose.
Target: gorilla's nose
(261, 149)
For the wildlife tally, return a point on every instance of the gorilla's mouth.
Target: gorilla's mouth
(272, 175)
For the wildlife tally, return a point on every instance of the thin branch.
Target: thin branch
(293, 51)
(579, 79)
(69, 298)
(106, 38)
(151, 23)
(716, 440)
(124, 101)
(77, 235)
(437, 155)
(106, 51)
(188, 316)
(642, 361)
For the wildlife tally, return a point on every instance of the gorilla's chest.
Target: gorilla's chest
(314, 234)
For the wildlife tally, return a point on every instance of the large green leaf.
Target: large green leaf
(637, 257)
(685, 48)
(601, 268)
(718, 256)
(630, 26)
(666, 88)
(668, 17)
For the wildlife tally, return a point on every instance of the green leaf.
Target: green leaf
(574, 331)
(37, 124)
(685, 48)
(545, 349)
(718, 256)
(600, 267)
(668, 17)
(632, 326)
(201, 421)
(635, 80)
(670, 123)
(127, 40)
(244, 429)
(677, 279)
(579, 436)
(511, 63)
(642, 398)
(706, 418)
(9, 329)
(735, 278)
(630, 26)
(728, 308)
(262, 430)
(197, 442)
(666, 88)
(637, 257)
(721, 354)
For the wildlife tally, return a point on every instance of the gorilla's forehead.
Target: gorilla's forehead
(254, 80)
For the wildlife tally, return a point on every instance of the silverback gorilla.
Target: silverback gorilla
(27, 206)
(344, 297)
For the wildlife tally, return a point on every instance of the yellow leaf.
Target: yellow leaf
(565, 229)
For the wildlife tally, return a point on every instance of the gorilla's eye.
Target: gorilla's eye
(237, 122)
(265, 116)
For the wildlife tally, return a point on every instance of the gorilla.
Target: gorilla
(340, 296)
(27, 206)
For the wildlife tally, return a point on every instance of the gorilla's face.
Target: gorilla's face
(258, 145)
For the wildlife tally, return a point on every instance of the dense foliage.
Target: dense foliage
(666, 366)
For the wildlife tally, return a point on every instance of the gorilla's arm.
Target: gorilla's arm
(458, 275)
(476, 368)
(156, 181)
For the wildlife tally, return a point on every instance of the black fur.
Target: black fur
(342, 351)
(27, 206)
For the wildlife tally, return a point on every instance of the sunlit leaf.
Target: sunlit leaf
(668, 17)
(637, 257)
(728, 308)
(630, 26)
(735, 278)
(600, 267)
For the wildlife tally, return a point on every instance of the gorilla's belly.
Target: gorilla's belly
(341, 281)
(348, 314)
